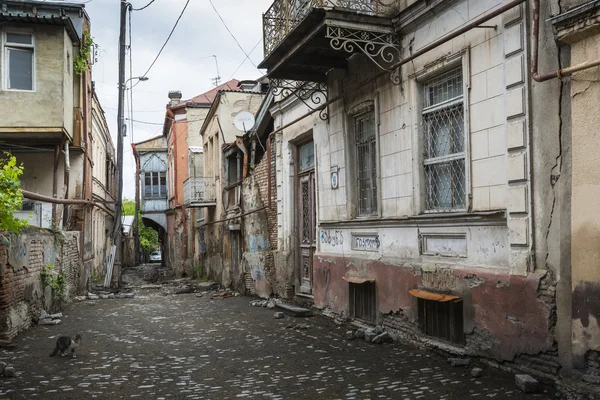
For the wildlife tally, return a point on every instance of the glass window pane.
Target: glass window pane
(147, 185)
(163, 184)
(20, 75)
(366, 163)
(307, 156)
(19, 38)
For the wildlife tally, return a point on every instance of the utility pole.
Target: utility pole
(120, 132)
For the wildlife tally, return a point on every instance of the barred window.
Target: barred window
(365, 142)
(444, 141)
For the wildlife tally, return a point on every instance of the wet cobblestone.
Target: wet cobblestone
(185, 347)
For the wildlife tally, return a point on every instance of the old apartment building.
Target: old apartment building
(52, 122)
(434, 171)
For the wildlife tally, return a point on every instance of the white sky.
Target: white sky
(186, 63)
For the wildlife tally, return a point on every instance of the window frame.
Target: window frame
(161, 196)
(418, 81)
(369, 106)
(6, 46)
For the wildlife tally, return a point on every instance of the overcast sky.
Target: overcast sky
(186, 64)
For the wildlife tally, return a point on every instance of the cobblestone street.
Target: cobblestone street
(185, 347)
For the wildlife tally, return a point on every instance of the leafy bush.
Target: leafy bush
(11, 196)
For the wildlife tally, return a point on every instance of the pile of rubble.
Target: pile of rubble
(377, 335)
(92, 297)
(48, 319)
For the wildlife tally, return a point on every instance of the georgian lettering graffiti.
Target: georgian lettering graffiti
(365, 242)
(332, 238)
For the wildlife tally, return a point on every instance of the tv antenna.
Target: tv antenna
(217, 79)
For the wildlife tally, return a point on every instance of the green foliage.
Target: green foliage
(81, 62)
(199, 273)
(128, 207)
(56, 281)
(148, 236)
(11, 196)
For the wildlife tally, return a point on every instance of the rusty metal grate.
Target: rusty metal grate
(365, 142)
(363, 301)
(444, 141)
(442, 320)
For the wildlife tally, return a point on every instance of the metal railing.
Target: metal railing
(199, 191)
(284, 15)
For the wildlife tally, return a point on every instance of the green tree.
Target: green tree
(148, 236)
(11, 196)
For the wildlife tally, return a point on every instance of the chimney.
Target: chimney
(175, 97)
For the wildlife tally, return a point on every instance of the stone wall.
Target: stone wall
(22, 295)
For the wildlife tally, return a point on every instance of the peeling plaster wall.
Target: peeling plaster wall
(487, 256)
(585, 108)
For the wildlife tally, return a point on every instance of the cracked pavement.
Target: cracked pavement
(185, 347)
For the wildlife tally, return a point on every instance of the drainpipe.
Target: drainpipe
(52, 200)
(535, 49)
(55, 181)
(66, 180)
(136, 238)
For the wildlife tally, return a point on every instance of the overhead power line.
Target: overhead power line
(247, 58)
(166, 41)
(232, 35)
(146, 6)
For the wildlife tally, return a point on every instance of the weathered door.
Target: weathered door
(306, 216)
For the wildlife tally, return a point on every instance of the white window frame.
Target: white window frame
(5, 64)
(418, 80)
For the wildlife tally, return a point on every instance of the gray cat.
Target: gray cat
(66, 343)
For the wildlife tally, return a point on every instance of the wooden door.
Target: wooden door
(306, 217)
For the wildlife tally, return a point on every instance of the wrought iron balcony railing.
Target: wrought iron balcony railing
(199, 192)
(284, 15)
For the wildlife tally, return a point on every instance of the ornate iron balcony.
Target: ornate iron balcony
(199, 192)
(284, 15)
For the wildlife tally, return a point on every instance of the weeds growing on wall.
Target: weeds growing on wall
(81, 62)
(57, 281)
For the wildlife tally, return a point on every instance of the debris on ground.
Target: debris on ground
(6, 370)
(350, 335)
(459, 362)
(383, 337)
(302, 327)
(48, 319)
(526, 383)
(7, 344)
(279, 315)
(476, 372)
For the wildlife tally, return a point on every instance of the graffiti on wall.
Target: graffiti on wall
(332, 238)
(369, 242)
(257, 273)
(17, 253)
(258, 244)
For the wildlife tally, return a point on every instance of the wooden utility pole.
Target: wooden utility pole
(116, 270)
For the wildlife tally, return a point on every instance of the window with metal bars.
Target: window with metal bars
(443, 320)
(444, 141)
(365, 144)
(363, 301)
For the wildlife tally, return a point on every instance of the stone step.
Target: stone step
(295, 310)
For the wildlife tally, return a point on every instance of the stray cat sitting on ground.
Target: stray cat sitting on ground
(66, 343)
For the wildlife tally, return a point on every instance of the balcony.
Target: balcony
(304, 39)
(199, 192)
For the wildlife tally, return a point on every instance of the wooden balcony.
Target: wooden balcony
(199, 192)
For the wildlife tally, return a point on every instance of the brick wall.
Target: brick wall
(261, 177)
(22, 295)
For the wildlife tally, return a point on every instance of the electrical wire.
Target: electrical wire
(143, 8)
(247, 58)
(166, 41)
(231, 33)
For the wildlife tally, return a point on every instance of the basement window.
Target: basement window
(363, 301)
(442, 319)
